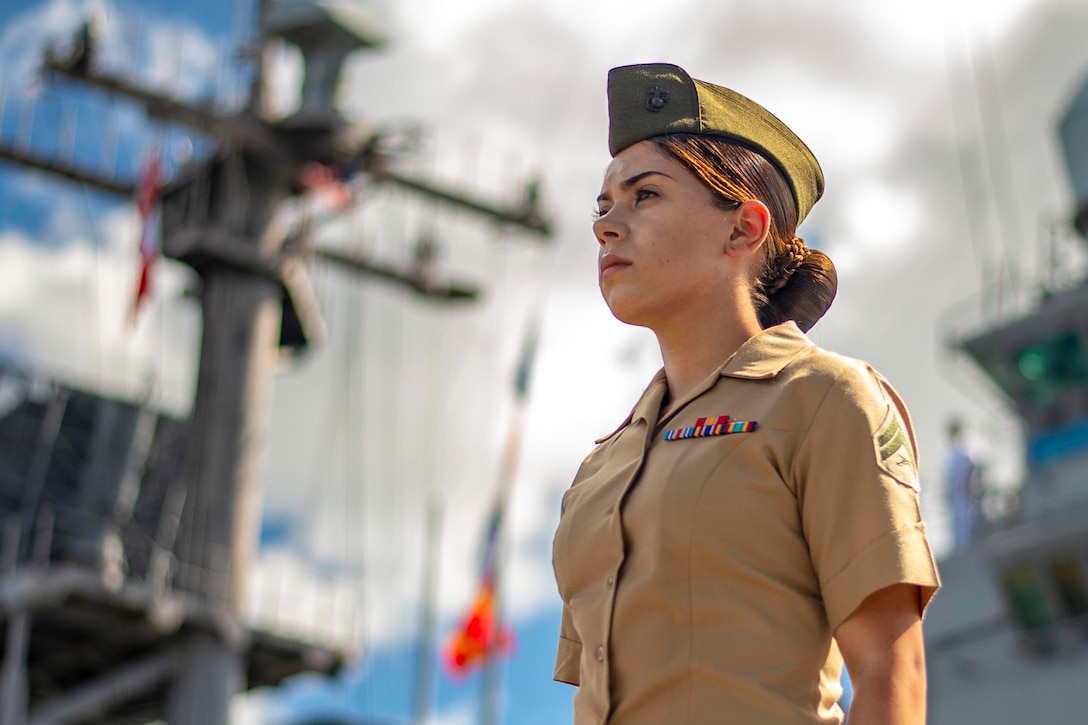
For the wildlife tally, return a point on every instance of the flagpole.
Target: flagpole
(490, 701)
(490, 686)
(481, 637)
(491, 689)
(424, 684)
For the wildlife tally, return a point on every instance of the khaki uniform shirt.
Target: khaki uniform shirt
(704, 565)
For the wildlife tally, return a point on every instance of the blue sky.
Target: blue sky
(381, 687)
(406, 403)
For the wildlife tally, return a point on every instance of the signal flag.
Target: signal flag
(147, 202)
(479, 636)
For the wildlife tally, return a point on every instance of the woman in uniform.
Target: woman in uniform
(755, 521)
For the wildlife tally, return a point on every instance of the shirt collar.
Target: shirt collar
(767, 353)
(760, 357)
(649, 405)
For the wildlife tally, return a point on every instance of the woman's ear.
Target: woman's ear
(751, 224)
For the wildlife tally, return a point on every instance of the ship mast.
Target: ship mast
(219, 217)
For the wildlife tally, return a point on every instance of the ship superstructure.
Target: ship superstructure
(1007, 638)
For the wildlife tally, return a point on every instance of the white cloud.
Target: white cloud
(463, 713)
(179, 59)
(881, 216)
(287, 595)
(22, 41)
(67, 307)
(921, 27)
(860, 133)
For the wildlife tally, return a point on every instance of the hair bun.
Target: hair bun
(804, 295)
(788, 262)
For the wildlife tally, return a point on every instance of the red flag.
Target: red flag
(147, 198)
(479, 635)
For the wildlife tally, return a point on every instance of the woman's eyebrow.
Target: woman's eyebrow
(628, 183)
(639, 177)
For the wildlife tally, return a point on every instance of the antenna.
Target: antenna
(1074, 137)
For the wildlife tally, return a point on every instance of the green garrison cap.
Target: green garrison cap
(658, 98)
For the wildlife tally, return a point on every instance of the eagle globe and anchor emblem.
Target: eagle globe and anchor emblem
(656, 98)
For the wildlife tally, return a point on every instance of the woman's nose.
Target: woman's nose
(608, 228)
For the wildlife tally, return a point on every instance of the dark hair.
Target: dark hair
(794, 282)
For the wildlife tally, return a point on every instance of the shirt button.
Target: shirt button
(611, 579)
(600, 653)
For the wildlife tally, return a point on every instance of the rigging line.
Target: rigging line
(440, 377)
(3, 103)
(24, 124)
(337, 438)
(355, 488)
(356, 507)
(435, 504)
(354, 491)
(445, 400)
(424, 682)
(490, 353)
(398, 448)
(93, 291)
(66, 147)
(531, 326)
(322, 471)
(975, 232)
(325, 450)
(354, 422)
(547, 285)
(241, 27)
(108, 151)
(501, 268)
(992, 119)
(435, 330)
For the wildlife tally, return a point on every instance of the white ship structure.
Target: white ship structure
(1007, 637)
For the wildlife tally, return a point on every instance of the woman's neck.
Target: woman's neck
(693, 349)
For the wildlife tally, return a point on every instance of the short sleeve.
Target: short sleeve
(569, 654)
(857, 485)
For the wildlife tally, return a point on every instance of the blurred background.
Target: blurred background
(393, 423)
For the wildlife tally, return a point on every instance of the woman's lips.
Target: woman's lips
(612, 263)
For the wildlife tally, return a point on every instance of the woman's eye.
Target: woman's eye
(643, 194)
(598, 213)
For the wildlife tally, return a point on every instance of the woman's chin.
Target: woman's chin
(628, 314)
